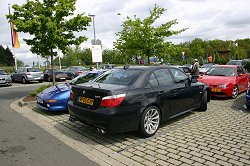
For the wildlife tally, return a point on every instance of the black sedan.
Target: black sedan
(136, 98)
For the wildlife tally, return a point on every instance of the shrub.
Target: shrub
(38, 90)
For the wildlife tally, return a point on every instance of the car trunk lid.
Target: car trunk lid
(90, 95)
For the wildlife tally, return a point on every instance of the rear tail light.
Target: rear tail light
(80, 72)
(28, 74)
(71, 97)
(112, 101)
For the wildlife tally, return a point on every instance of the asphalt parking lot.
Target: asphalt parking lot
(219, 136)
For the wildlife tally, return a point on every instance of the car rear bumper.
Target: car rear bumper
(34, 78)
(107, 119)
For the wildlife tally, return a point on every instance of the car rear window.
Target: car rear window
(33, 70)
(119, 76)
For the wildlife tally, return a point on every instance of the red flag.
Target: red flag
(15, 40)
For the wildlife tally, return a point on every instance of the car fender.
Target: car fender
(147, 103)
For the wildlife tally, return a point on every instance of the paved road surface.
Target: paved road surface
(24, 143)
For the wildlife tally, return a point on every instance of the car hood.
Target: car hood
(54, 90)
(216, 80)
(5, 76)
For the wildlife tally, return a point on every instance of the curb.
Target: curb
(21, 103)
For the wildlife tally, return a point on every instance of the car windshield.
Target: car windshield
(2, 72)
(221, 71)
(234, 63)
(33, 70)
(119, 76)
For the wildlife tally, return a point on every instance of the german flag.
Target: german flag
(15, 40)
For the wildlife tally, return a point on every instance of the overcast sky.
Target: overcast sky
(206, 19)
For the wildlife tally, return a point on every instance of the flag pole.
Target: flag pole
(11, 33)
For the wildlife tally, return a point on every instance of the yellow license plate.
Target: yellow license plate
(215, 90)
(86, 100)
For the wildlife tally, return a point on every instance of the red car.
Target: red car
(226, 80)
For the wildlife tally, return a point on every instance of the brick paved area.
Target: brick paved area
(219, 136)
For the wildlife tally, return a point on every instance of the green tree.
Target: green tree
(198, 48)
(19, 63)
(112, 56)
(10, 61)
(87, 56)
(142, 37)
(51, 24)
(6, 57)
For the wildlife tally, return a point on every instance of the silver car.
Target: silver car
(27, 74)
(5, 79)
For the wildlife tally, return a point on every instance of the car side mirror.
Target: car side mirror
(240, 75)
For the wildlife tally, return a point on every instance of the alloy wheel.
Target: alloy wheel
(151, 121)
(24, 80)
(235, 92)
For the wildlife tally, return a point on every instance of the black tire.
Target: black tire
(40, 81)
(203, 106)
(151, 116)
(235, 92)
(12, 78)
(49, 79)
(24, 80)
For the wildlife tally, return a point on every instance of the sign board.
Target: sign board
(96, 53)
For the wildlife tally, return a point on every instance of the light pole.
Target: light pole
(93, 16)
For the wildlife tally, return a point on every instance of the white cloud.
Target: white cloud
(206, 19)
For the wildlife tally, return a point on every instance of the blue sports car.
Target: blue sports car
(56, 97)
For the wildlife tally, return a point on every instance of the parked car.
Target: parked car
(5, 79)
(59, 75)
(27, 74)
(188, 65)
(185, 69)
(226, 80)
(136, 98)
(204, 68)
(107, 66)
(244, 63)
(55, 98)
(74, 71)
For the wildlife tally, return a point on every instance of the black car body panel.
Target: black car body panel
(177, 96)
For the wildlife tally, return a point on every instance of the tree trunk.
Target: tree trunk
(52, 66)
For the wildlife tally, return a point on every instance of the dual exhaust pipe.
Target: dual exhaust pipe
(98, 130)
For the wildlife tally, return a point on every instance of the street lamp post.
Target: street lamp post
(93, 16)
